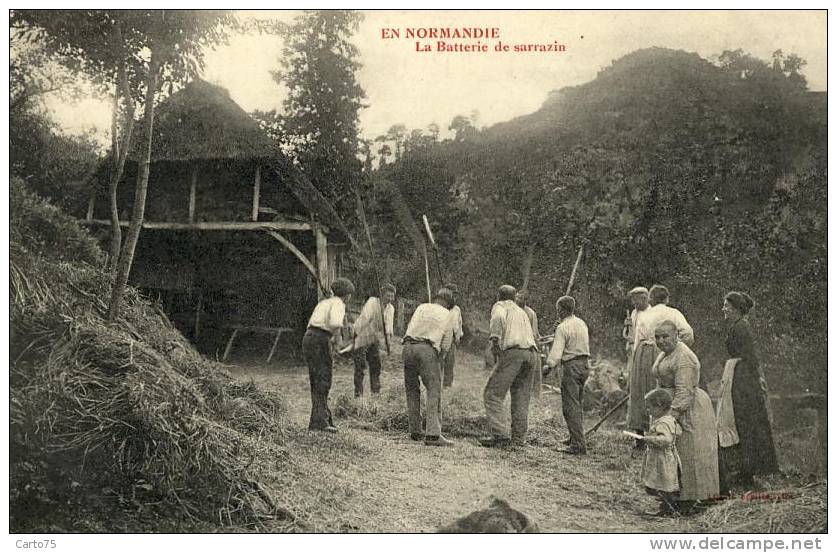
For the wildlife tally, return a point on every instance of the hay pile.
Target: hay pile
(122, 414)
(463, 414)
(794, 509)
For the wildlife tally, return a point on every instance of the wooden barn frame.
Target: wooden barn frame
(218, 186)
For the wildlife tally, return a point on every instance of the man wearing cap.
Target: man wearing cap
(641, 380)
(513, 343)
(628, 328)
(369, 328)
(571, 352)
(426, 340)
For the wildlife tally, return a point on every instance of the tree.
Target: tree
(176, 40)
(397, 134)
(433, 129)
(384, 151)
(366, 152)
(33, 74)
(790, 66)
(55, 165)
(462, 128)
(143, 47)
(320, 122)
(92, 43)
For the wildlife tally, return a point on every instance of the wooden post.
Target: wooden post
(275, 343)
(322, 260)
(91, 204)
(256, 189)
(299, 255)
(229, 345)
(399, 314)
(198, 310)
(193, 185)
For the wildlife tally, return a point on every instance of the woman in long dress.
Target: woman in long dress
(677, 370)
(747, 445)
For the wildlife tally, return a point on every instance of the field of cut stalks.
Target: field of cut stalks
(378, 480)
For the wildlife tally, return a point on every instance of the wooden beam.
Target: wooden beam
(299, 255)
(229, 345)
(256, 189)
(279, 332)
(322, 261)
(213, 225)
(400, 328)
(193, 187)
(91, 204)
(198, 310)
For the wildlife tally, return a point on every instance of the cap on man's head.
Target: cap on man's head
(638, 290)
(388, 288)
(566, 304)
(452, 287)
(506, 292)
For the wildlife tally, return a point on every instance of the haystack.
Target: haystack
(126, 414)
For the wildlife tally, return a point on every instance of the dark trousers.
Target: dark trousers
(368, 356)
(732, 470)
(423, 366)
(450, 361)
(574, 375)
(316, 349)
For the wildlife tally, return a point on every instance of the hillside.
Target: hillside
(666, 168)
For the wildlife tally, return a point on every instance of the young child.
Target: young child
(661, 467)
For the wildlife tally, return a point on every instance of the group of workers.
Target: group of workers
(429, 349)
(693, 452)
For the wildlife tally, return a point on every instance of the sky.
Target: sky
(417, 88)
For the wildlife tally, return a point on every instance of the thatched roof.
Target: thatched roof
(201, 121)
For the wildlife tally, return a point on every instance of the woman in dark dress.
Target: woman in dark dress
(755, 452)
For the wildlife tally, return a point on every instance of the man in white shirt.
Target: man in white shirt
(327, 320)
(456, 325)
(658, 297)
(513, 343)
(643, 354)
(537, 380)
(369, 337)
(426, 340)
(571, 351)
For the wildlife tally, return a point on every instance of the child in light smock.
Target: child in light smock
(661, 467)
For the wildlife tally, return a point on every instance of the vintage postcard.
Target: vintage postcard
(416, 271)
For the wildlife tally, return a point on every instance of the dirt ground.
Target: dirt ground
(369, 480)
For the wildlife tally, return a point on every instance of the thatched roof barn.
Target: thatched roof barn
(233, 237)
